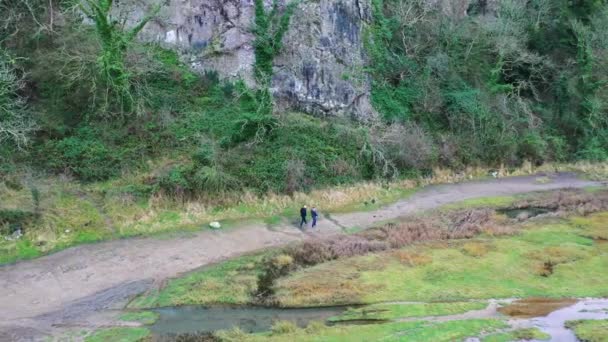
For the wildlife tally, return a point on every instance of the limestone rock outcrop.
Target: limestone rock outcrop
(320, 69)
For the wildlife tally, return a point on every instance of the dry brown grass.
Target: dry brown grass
(476, 249)
(567, 202)
(412, 259)
(548, 258)
(325, 287)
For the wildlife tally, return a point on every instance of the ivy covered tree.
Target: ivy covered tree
(270, 27)
(115, 41)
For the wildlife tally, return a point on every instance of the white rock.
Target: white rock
(215, 225)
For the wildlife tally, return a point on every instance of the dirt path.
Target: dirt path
(70, 287)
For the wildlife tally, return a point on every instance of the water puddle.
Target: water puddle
(524, 213)
(554, 323)
(196, 319)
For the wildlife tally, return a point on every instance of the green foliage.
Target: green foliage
(527, 334)
(84, 155)
(270, 27)
(590, 330)
(283, 327)
(491, 78)
(399, 311)
(115, 41)
(12, 220)
(119, 334)
(228, 282)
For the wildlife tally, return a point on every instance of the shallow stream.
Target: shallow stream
(193, 319)
(551, 320)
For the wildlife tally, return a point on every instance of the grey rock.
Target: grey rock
(321, 67)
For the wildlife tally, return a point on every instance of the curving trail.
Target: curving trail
(76, 286)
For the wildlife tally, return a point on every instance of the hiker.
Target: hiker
(314, 214)
(303, 215)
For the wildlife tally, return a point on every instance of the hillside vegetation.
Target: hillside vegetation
(85, 104)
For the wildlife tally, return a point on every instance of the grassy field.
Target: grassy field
(397, 311)
(229, 282)
(590, 331)
(121, 334)
(402, 331)
(546, 259)
(518, 335)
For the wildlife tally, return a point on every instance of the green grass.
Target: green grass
(395, 311)
(11, 251)
(119, 334)
(401, 331)
(590, 331)
(483, 202)
(517, 335)
(511, 268)
(229, 282)
(143, 317)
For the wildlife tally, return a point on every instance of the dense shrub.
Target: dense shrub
(84, 155)
(283, 327)
(13, 220)
(273, 268)
(518, 81)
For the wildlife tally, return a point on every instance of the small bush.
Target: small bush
(273, 268)
(475, 249)
(315, 252)
(283, 327)
(233, 335)
(310, 253)
(408, 146)
(12, 220)
(84, 155)
(315, 327)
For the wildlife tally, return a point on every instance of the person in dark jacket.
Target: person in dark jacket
(314, 214)
(303, 215)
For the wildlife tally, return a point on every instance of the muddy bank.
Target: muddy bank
(535, 307)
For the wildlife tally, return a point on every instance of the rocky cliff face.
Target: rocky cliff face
(320, 70)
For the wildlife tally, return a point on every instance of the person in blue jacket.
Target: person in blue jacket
(314, 214)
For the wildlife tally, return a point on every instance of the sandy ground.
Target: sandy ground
(78, 286)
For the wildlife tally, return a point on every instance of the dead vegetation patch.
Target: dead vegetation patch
(549, 257)
(476, 249)
(412, 259)
(567, 202)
